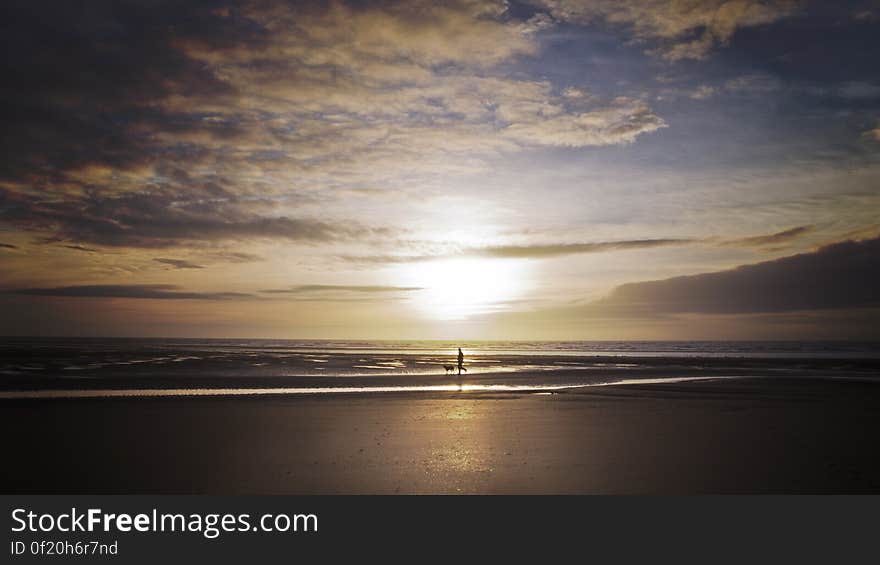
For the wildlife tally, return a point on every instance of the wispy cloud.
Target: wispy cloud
(619, 123)
(178, 263)
(237, 257)
(321, 288)
(146, 291)
(341, 293)
(559, 249)
(529, 251)
(163, 218)
(772, 239)
(681, 30)
(77, 247)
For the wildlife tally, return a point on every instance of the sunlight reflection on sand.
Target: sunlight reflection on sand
(114, 393)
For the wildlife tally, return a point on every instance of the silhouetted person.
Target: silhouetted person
(460, 361)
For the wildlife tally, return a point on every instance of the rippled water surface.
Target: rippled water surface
(193, 363)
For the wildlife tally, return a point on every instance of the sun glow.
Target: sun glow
(457, 288)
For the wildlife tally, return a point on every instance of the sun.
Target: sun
(458, 288)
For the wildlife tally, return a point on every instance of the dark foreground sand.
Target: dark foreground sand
(704, 437)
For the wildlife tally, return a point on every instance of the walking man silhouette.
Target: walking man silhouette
(460, 361)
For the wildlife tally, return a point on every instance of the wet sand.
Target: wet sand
(732, 436)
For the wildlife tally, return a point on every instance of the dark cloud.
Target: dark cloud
(542, 251)
(237, 257)
(560, 249)
(117, 112)
(341, 293)
(81, 248)
(771, 239)
(536, 251)
(145, 291)
(161, 218)
(178, 263)
(89, 94)
(150, 124)
(323, 288)
(82, 78)
(839, 276)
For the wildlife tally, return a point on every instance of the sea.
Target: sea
(95, 367)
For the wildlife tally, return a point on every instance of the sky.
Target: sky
(545, 169)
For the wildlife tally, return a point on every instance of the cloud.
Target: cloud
(530, 251)
(748, 85)
(617, 124)
(83, 248)
(755, 83)
(237, 257)
(838, 276)
(125, 88)
(320, 288)
(770, 239)
(469, 32)
(162, 218)
(341, 293)
(84, 82)
(857, 90)
(704, 92)
(178, 263)
(159, 125)
(682, 30)
(314, 292)
(560, 249)
(146, 291)
(8, 246)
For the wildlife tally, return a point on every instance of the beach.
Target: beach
(783, 435)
